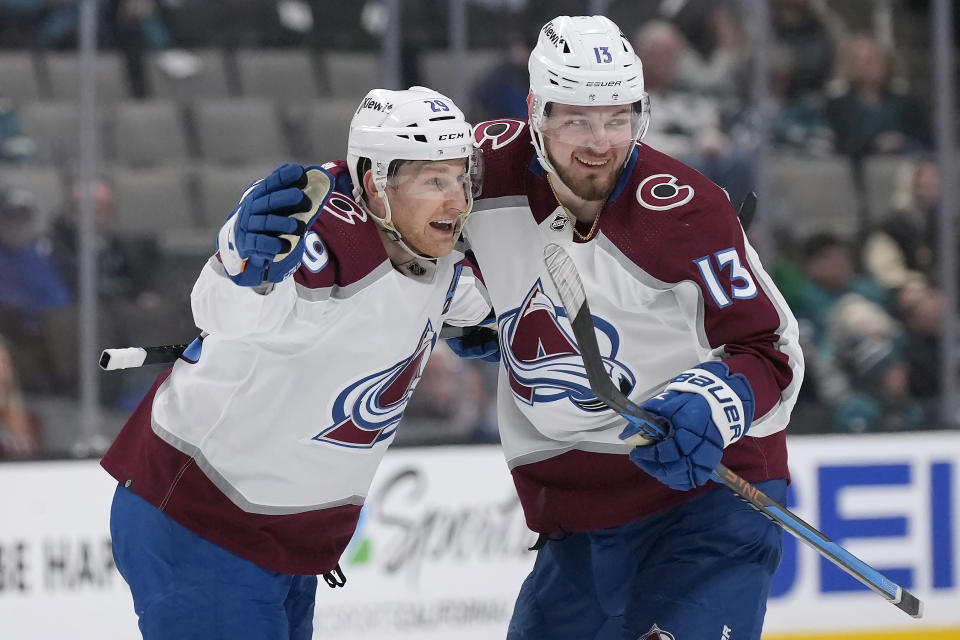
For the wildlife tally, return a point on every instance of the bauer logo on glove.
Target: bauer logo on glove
(263, 239)
(704, 409)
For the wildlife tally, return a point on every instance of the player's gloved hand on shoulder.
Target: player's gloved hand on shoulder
(477, 343)
(263, 240)
(704, 409)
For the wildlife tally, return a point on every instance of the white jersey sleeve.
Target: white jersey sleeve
(220, 306)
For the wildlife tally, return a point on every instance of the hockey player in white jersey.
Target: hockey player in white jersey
(242, 473)
(636, 542)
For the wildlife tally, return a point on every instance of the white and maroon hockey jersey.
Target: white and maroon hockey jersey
(266, 441)
(671, 281)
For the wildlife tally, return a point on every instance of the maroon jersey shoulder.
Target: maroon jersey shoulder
(506, 151)
(668, 215)
(343, 244)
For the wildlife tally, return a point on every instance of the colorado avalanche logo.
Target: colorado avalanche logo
(543, 361)
(499, 132)
(656, 633)
(661, 192)
(368, 411)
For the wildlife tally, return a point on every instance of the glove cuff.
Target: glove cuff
(729, 396)
(227, 246)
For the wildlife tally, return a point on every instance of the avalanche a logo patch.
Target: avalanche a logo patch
(368, 411)
(656, 633)
(660, 192)
(500, 132)
(542, 359)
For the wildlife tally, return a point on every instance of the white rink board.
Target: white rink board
(446, 551)
(893, 501)
(439, 553)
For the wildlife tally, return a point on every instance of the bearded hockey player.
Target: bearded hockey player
(635, 540)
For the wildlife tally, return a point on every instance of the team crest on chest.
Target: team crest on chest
(542, 359)
(656, 633)
(368, 411)
(661, 192)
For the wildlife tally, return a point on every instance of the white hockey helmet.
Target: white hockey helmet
(584, 61)
(413, 124)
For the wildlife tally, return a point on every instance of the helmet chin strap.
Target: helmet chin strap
(386, 223)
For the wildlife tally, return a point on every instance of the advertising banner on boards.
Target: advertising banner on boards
(441, 547)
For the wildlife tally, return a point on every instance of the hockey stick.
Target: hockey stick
(564, 274)
(132, 357)
(747, 210)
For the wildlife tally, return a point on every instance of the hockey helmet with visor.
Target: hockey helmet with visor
(585, 61)
(391, 128)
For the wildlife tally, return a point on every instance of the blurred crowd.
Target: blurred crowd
(840, 86)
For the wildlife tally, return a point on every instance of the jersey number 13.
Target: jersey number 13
(741, 285)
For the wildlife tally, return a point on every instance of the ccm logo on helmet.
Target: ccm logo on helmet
(451, 136)
(661, 192)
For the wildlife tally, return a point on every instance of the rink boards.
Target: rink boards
(441, 547)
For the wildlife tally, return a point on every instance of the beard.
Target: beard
(592, 187)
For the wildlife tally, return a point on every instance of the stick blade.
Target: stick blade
(748, 208)
(566, 279)
(910, 604)
(563, 272)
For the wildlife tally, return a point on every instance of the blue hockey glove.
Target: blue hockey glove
(263, 239)
(477, 343)
(705, 409)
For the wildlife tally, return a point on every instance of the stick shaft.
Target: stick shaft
(131, 357)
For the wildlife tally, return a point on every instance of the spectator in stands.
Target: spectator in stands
(423, 25)
(35, 303)
(810, 33)
(19, 430)
(502, 91)
(869, 350)
(854, 347)
(829, 266)
(452, 403)
(903, 246)
(132, 26)
(868, 113)
(717, 48)
(15, 147)
(129, 301)
(689, 123)
(56, 21)
(123, 266)
(921, 309)
(798, 122)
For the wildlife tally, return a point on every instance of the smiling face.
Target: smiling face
(426, 200)
(588, 146)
